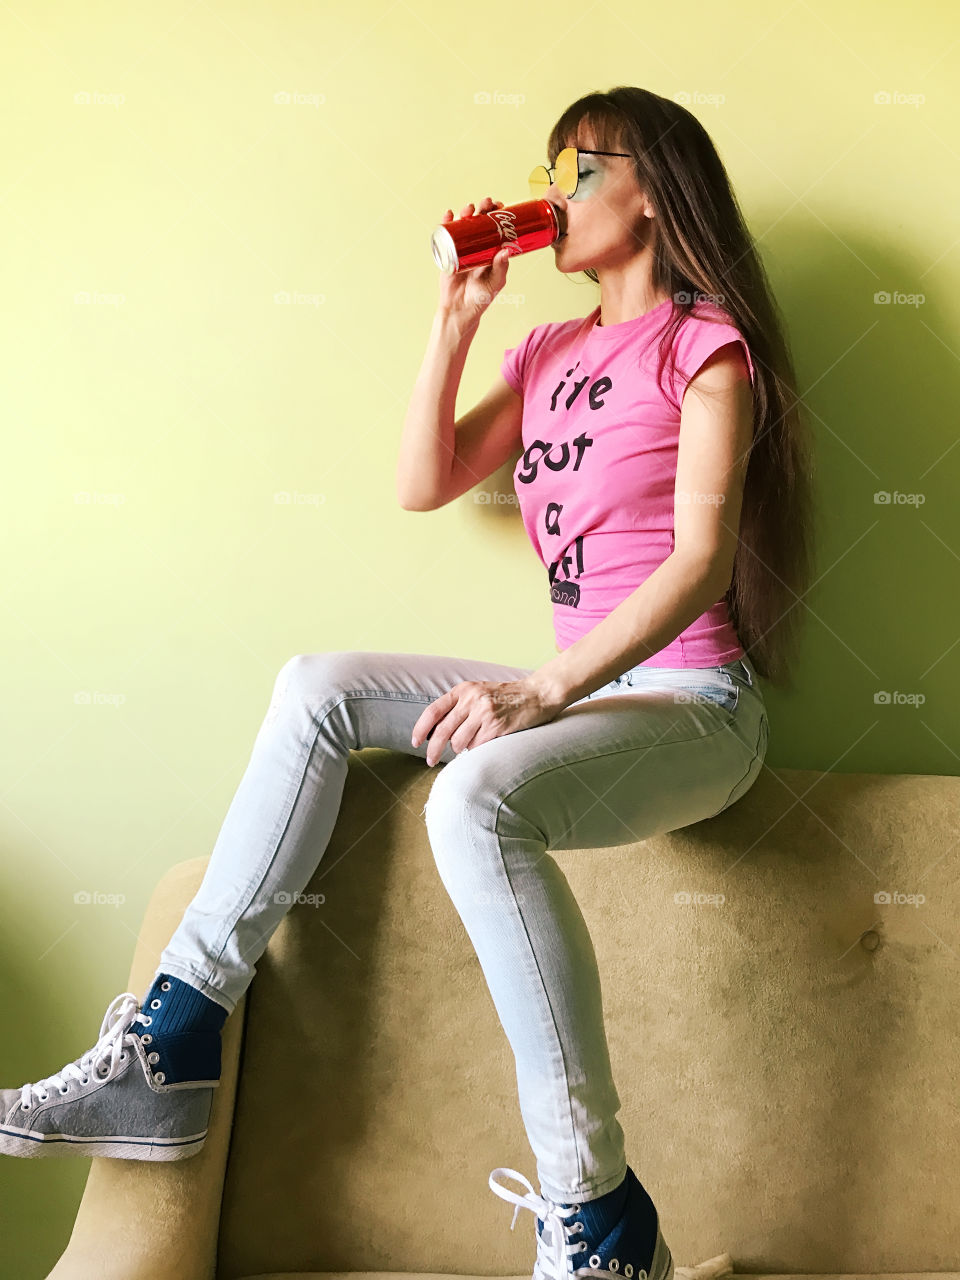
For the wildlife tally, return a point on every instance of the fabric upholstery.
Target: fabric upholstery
(786, 1057)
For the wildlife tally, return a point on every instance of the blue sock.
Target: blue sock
(182, 1040)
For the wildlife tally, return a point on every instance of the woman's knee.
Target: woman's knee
(474, 863)
(308, 673)
(307, 679)
(462, 804)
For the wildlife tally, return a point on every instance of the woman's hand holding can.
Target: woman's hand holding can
(466, 295)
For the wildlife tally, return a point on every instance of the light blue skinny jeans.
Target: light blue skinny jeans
(653, 750)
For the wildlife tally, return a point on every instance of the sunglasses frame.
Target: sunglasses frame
(550, 170)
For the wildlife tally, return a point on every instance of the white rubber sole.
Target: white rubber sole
(32, 1145)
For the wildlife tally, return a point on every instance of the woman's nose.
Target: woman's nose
(557, 199)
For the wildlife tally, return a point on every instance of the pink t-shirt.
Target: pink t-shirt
(597, 475)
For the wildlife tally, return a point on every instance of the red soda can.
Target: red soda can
(475, 241)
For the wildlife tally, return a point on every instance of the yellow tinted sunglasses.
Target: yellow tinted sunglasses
(566, 171)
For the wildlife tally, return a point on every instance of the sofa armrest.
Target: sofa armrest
(152, 1220)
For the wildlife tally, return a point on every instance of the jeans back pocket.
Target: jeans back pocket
(719, 688)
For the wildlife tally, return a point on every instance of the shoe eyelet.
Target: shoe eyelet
(159, 1077)
(64, 1088)
(44, 1097)
(123, 1057)
(85, 1080)
(147, 1020)
(628, 1269)
(594, 1260)
(613, 1264)
(24, 1106)
(147, 1039)
(164, 986)
(583, 1247)
(153, 1057)
(154, 1004)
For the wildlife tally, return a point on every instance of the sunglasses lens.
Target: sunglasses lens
(567, 170)
(539, 181)
(567, 175)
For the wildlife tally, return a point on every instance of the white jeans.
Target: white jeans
(654, 750)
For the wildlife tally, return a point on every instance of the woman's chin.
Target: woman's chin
(566, 265)
(561, 254)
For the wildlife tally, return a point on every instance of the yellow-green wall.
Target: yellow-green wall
(151, 227)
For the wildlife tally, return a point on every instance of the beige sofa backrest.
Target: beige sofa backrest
(786, 1058)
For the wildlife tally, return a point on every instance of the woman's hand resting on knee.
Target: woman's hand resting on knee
(475, 711)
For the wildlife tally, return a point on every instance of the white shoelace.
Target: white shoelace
(553, 1260)
(122, 1011)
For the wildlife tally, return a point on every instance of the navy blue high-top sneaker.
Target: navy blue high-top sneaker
(627, 1247)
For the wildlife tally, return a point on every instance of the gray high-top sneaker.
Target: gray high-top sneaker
(109, 1101)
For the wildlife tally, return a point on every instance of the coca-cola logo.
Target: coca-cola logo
(506, 221)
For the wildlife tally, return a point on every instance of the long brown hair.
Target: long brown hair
(702, 250)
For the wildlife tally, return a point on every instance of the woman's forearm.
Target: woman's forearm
(673, 596)
(425, 461)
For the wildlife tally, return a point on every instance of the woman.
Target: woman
(663, 482)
